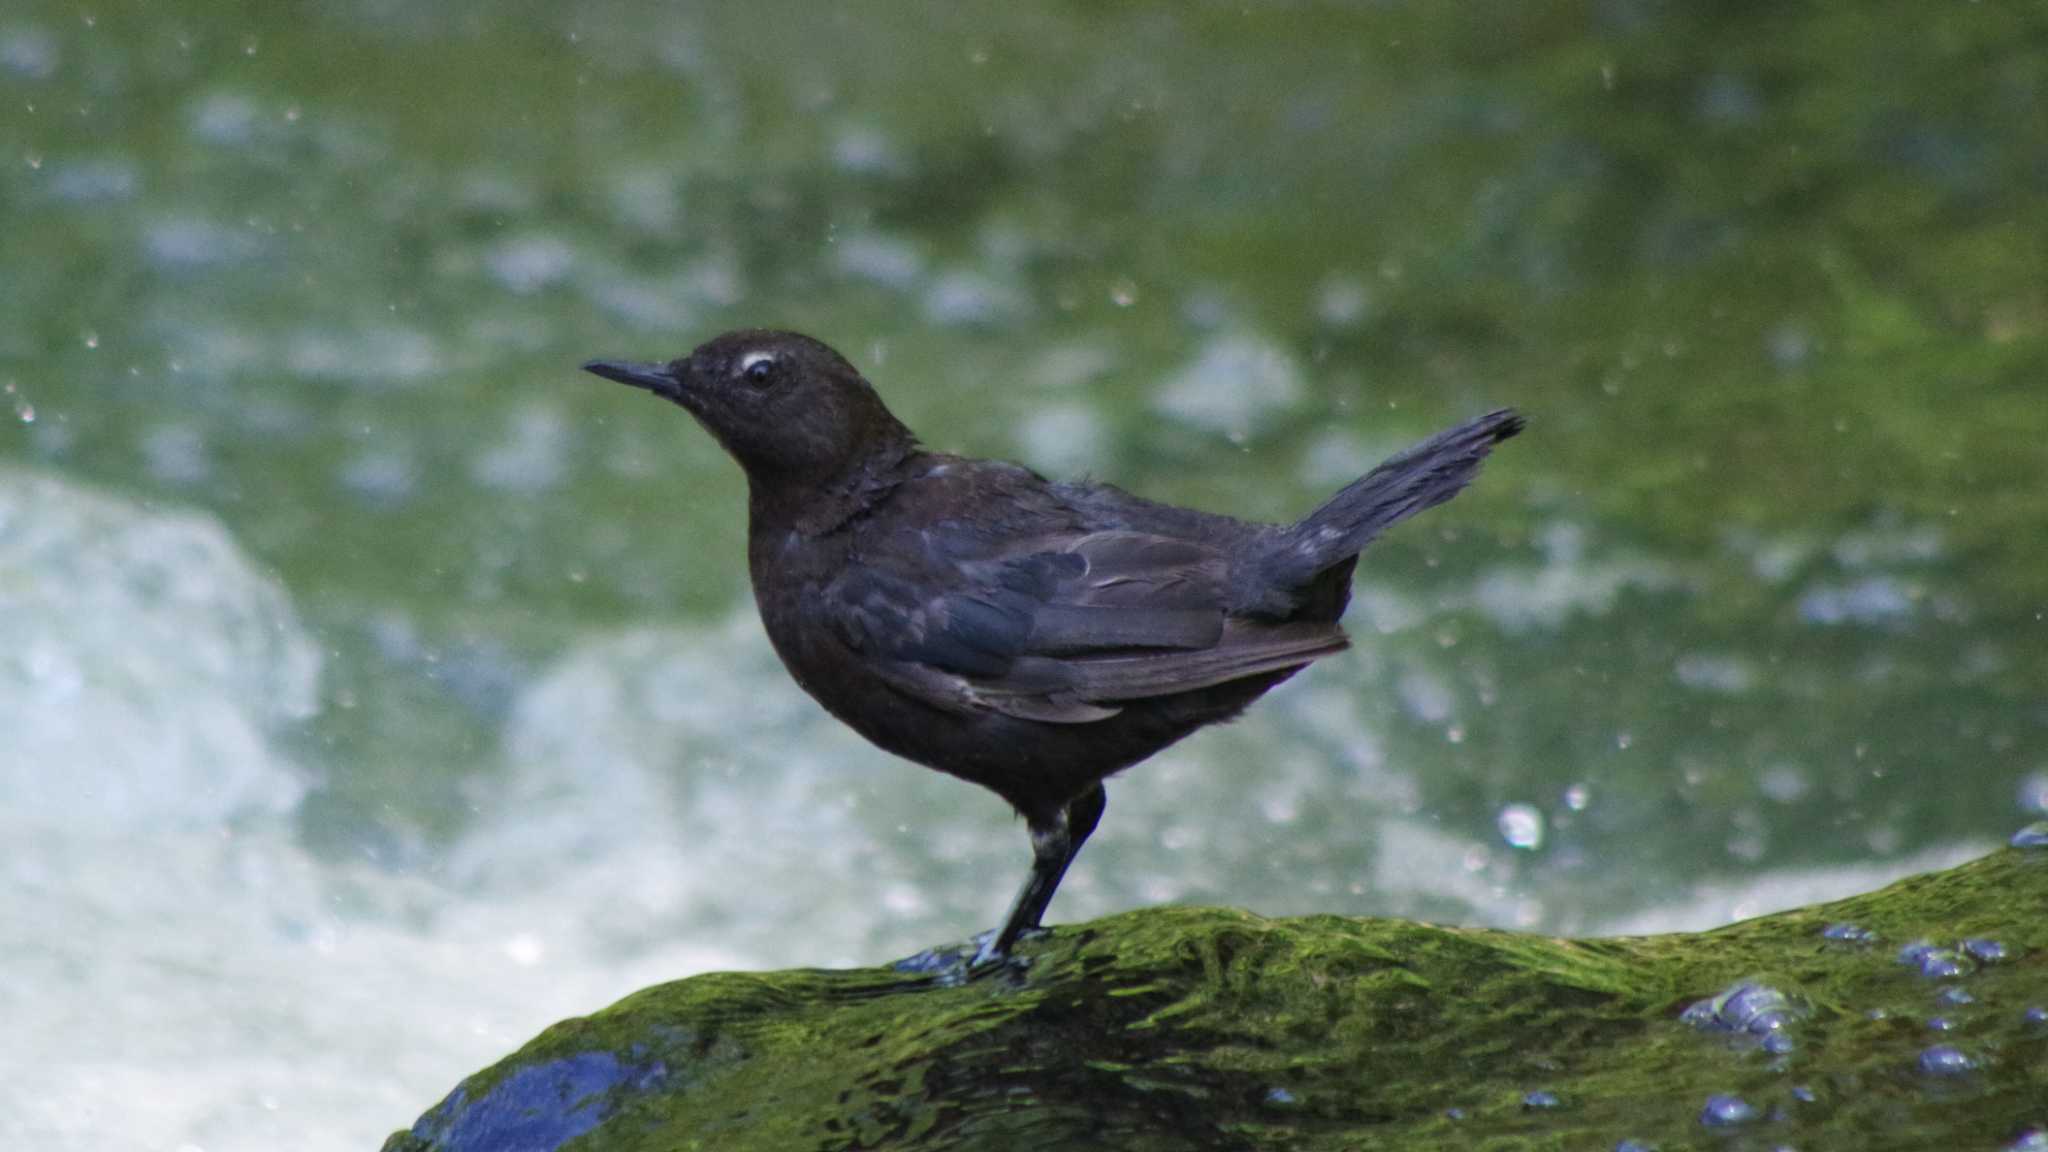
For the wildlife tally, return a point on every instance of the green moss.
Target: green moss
(1207, 1028)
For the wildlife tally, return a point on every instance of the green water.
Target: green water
(1759, 594)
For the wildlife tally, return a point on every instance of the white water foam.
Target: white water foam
(178, 972)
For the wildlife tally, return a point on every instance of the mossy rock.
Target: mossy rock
(1187, 1028)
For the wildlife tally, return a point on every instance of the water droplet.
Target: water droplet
(1984, 951)
(2034, 835)
(1280, 1096)
(92, 339)
(1934, 962)
(1941, 1024)
(1946, 1060)
(1748, 1008)
(1577, 797)
(1541, 1099)
(1521, 825)
(1123, 293)
(1954, 995)
(1726, 1112)
(1848, 933)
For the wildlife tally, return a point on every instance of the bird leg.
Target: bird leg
(1055, 841)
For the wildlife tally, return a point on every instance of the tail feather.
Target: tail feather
(1421, 477)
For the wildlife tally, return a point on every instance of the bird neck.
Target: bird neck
(814, 506)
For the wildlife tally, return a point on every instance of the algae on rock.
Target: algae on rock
(1200, 1028)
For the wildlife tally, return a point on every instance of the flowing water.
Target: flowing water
(375, 688)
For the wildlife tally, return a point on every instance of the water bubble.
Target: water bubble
(1727, 1112)
(1541, 1099)
(1748, 1008)
(1984, 951)
(1935, 962)
(2034, 835)
(1946, 1060)
(1521, 825)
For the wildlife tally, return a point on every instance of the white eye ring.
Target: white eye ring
(748, 361)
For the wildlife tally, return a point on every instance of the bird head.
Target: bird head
(788, 408)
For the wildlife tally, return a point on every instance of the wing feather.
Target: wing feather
(1063, 630)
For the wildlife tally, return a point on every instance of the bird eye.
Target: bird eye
(757, 367)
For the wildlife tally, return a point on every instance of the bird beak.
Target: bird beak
(655, 378)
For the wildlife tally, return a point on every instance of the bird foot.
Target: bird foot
(974, 959)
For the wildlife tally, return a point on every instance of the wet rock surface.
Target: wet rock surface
(1197, 1028)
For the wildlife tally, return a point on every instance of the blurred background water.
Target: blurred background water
(376, 689)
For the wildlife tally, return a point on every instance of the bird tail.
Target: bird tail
(1421, 477)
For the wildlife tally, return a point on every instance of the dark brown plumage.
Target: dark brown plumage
(1031, 636)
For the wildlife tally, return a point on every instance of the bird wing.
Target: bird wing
(1062, 629)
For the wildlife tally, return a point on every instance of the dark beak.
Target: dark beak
(656, 378)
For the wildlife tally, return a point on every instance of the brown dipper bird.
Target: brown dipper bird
(1033, 637)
